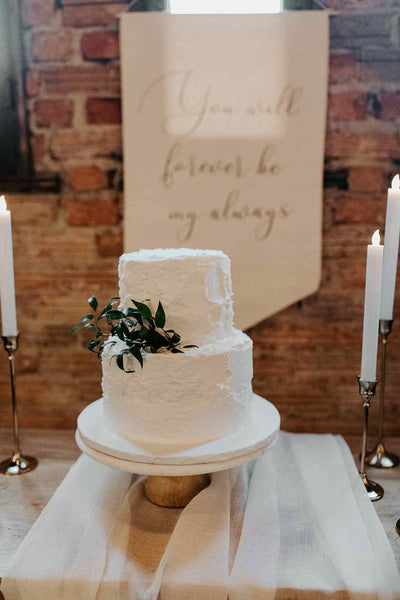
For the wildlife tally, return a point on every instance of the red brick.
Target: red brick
(355, 4)
(39, 145)
(58, 113)
(379, 72)
(29, 362)
(374, 54)
(70, 143)
(373, 145)
(85, 178)
(390, 105)
(89, 79)
(39, 12)
(92, 212)
(54, 45)
(355, 210)
(33, 83)
(360, 24)
(351, 274)
(109, 243)
(84, 16)
(347, 106)
(342, 68)
(48, 245)
(100, 45)
(365, 179)
(103, 111)
(33, 210)
(346, 240)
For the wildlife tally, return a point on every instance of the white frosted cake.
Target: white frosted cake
(190, 398)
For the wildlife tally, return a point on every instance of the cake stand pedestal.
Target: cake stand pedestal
(174, 492)
(175, 477)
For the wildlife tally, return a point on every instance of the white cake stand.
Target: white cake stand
(176, 475)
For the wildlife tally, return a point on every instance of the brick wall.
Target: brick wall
(306, 357)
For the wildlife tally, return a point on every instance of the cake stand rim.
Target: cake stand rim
(253, 436)
(170, 470)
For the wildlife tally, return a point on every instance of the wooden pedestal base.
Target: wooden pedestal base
(174, 492)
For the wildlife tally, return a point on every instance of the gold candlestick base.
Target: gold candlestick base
(367, 391)
(374, 490)
(380, 458)
(398, 526)
(16, 465)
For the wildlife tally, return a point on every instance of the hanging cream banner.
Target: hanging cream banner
(224, 126)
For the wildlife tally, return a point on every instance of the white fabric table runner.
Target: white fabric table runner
(296, 523)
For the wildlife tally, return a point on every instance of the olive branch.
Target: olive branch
(136, 326)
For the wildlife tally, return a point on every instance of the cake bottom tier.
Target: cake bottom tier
(180, 399)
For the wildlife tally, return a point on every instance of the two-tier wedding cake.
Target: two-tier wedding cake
(185, 398)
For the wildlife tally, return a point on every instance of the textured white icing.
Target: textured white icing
(194, 287)
(180, 399)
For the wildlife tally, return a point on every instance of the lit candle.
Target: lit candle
(373, 279)
(391, 250)
(7, 290)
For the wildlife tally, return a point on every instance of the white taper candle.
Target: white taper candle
(7, 289)
(373, 279)
(391, 250)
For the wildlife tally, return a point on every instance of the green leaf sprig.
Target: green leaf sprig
(136, 326)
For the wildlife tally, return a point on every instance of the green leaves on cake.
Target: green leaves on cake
(136, 326)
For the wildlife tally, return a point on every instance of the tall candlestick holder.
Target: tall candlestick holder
(16, 464)
(367, 391)
(380, 457)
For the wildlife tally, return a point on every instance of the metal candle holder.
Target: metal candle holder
(379, 457)
(16, 464)
(367, 390)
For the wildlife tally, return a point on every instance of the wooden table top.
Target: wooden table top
(23, 498)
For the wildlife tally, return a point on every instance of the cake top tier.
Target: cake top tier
(194, 287)
(152, 254)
